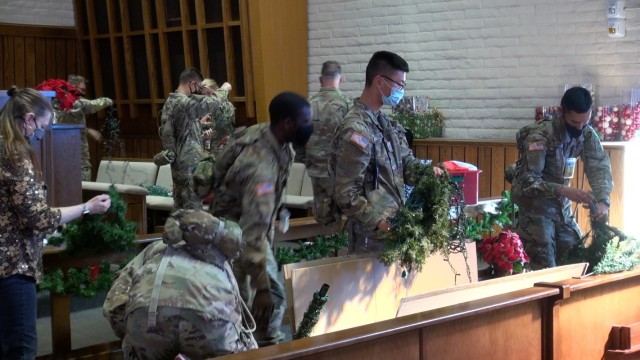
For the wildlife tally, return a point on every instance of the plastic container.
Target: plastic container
(468, 181)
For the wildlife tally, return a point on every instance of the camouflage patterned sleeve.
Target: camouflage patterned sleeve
(407, 157)
(352, 146)
(117, 298)
(597, 167)
(168, 135)
(535, 151)
(258, 178)
(92, 106)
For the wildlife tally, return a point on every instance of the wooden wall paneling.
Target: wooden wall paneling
(510, 157)
(616, 212)
(128, 63)
(485, 164)
(151, 50)
(433, 154)
(51, 59)
(246, 60)
(71, 49)
(61, 59)
(113, 16)
(30, 79)
(420, 152)
(497, 170)
(2, 54)
(186, 41)
(471, 155)
(41, 60)
(164, 49)
(228, 42)
(446, 153)
(96, 64)
(202, 38)
(8, 68)
(19, 61)
(457, 153)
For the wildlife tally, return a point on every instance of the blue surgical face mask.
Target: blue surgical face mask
(394, 98)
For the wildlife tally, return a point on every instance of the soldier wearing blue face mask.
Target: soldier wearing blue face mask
(370, 156)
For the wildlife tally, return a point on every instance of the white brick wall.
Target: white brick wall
(37, 12)
(485, 63)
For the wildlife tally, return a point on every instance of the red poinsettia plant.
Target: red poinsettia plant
(505, 253)
(66, 94)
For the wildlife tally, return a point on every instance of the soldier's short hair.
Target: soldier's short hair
(286, 105)
(190, 74)
(382, 62)
(74, 79)
(576, 99)
(331, 69)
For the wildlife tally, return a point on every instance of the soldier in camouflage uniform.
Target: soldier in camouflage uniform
(81, 108)
(179, 295)
(250, 178)
(370, 156)
(181, 130)
(329, 107)
(217, 135)
(548, 153)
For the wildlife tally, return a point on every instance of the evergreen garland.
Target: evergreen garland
(92, 235)
(619, 256)
(99, 233)
(311, 316)
(110, 132)
(321, 247)
(157, 190)
(610, 249)
(422, 226)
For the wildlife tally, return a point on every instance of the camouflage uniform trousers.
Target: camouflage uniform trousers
(546, 240)
(85, 159)
(361, 240)
(182, 331)
(184, 194)
(273, 335)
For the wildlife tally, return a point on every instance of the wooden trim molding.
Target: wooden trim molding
(39, 31)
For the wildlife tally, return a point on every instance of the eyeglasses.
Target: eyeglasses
(395, 82)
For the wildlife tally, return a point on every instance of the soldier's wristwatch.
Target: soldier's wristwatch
(85, 209)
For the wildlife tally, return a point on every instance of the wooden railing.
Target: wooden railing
(569, 319)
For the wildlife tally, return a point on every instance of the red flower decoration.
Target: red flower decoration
(503, 252)
(66, 94)
(94, 272)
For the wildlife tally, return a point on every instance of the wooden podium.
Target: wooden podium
(58, 154)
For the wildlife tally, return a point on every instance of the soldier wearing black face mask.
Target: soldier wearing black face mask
(549, 151)
(250, 179)
(181, 131)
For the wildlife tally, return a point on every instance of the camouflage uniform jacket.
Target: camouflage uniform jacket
(544, 148)
(369, 160)
(329, 107)
(205, 284)
(25, 218)
(222, 118)
(250, 191)
(181, 131)
(76, 116)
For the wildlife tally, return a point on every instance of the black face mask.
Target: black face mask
(573, 132)
(302, 135)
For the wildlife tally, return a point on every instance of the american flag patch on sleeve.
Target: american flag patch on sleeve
(359, 140)
(265, 187)
(536, 146)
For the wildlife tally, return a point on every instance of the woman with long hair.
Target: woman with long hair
(25, 219)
